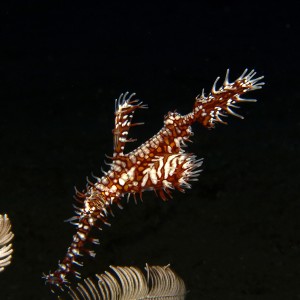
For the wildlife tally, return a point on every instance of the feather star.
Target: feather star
(160, 164)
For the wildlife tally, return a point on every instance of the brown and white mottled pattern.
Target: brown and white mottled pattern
(160, 164)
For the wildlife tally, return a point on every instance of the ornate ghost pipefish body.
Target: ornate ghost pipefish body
(160, 164)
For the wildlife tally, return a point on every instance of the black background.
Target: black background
(236, 233)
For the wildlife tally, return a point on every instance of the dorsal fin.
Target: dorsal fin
(124, 111)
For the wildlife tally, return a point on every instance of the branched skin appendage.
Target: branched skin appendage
(160, 164)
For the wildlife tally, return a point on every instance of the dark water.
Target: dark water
(236, 233)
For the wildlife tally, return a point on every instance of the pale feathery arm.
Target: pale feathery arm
(160, 282)
(5, 237)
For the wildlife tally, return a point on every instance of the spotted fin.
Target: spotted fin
(125, 106)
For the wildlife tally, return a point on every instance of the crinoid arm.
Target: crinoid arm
(125, 106)
(220, 102)
(131, 283)
(5, 237)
